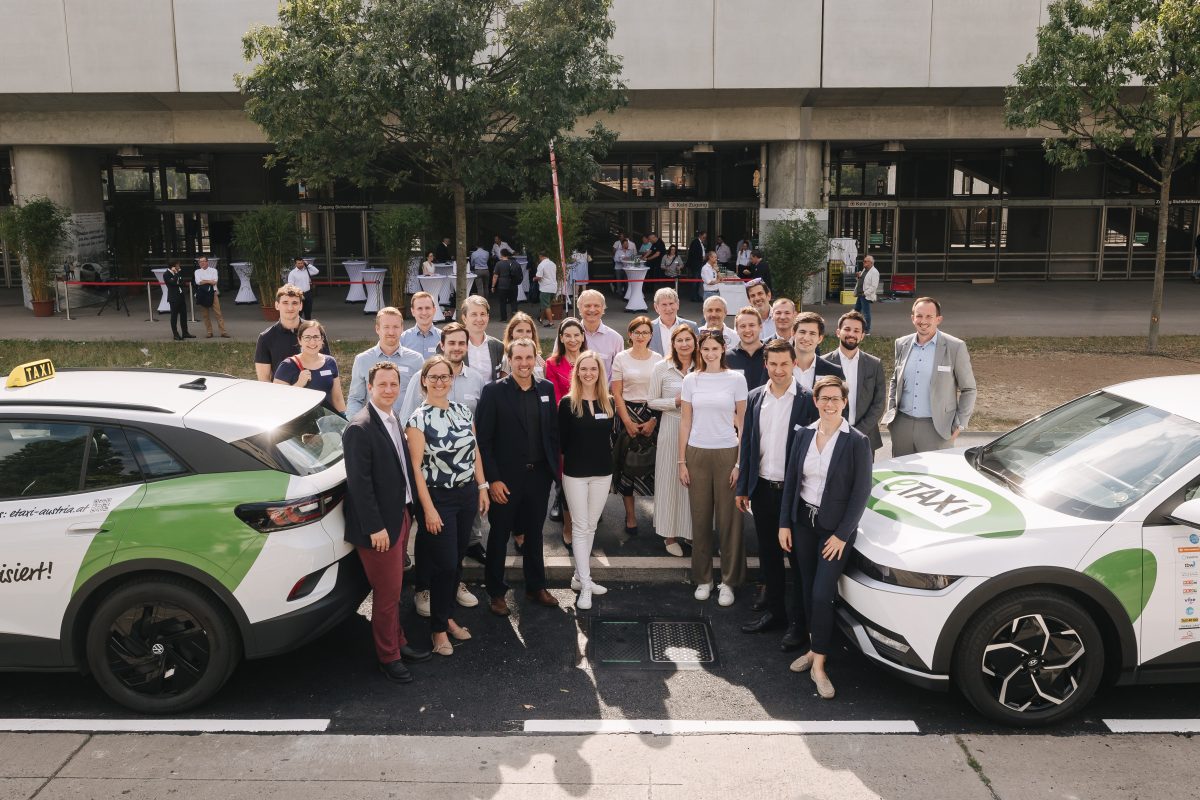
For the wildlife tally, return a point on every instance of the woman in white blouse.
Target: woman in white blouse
(672, 513)
(427, 267)
(713, 405)
(710, 273)
(631, 371)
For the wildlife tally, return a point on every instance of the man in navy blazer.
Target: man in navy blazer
(775, 411)
(380, 497)
(516, 424)
(666, 305)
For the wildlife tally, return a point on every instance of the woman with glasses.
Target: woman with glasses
(828, 480)
(312, 369)
(450, 488)
(631, 372)
(712, 405)
(672, 514)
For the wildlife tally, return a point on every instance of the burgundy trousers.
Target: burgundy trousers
(385, 572)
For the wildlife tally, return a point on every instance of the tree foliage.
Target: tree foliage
(394, 230)
(36, 230)
(270, 239)
(1120, 77)
(465, 95)
(797, 249)
(537, 227)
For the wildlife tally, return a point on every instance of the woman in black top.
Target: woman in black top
(585, 428)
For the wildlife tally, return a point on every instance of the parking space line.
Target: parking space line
(1153, 725)
(661, 727)
(165, 725)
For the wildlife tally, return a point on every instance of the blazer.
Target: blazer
(500, 428)
(495, 352)
(761, 270)
(847, 484)
(374, 479)
(174, 284)
(952, 390)
(803, 413)
(870, 395)
(695, 256)
(656, 328)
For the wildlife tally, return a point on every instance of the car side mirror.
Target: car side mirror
(1187, 513)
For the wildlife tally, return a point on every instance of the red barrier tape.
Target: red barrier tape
(661, 280)
(112, 283)
(344, 283)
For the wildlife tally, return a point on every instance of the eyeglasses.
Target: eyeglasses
(830, 398)
(438, 378)
(318, 337)
(640, 332)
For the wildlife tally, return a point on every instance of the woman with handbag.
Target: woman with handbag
(312, 369)
(712, 405)
(672, 263)
(631, 372)
(672, 513)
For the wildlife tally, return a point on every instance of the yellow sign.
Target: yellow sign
(29, 373)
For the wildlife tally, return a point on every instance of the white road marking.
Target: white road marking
(167, 725)
(661, 727)
(1153, 725)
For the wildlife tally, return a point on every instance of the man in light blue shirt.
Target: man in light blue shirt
(389, 322)
(466, 385)
(422, 336)
(918, 375)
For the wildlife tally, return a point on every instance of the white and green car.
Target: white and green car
(1032, 570)
(157, 527)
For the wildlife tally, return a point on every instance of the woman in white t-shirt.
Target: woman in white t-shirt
(631, 373)
(712, 405)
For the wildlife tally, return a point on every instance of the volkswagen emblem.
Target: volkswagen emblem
(158, 649)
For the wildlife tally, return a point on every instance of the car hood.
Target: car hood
(933, 512)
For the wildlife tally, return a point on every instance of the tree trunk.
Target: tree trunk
(1160, 253)
(460, 244)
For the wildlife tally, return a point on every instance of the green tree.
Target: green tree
(465, 95)
(1121, 77)
(269, 238)
(798, 249)
(36, 230)
(537, 227)
(394, 230)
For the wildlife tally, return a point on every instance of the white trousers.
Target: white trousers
(585, 499)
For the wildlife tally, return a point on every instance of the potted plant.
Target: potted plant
(134, 224)
(269, 239)
(394, 230)
(537, 227)
(36, 230)
(798, 249)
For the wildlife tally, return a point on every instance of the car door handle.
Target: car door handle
(86, 527)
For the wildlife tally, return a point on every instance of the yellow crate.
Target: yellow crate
(848, 298)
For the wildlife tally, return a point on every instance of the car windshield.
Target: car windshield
(1092, 457)
(308, 444)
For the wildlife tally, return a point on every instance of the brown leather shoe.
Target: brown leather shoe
(542, 598)
(499, 607)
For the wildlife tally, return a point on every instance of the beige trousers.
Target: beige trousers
(711, 499)
(208, 313)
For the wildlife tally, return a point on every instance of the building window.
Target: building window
(866, 179)
(982, 228)
(132, 179)
(175, 183)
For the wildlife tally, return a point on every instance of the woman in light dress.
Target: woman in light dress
(631, 371)
(672, 514)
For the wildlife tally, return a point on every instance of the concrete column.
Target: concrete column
(69, 176)
(794, 174)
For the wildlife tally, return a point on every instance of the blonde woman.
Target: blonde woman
(672, 514)
(585, 426)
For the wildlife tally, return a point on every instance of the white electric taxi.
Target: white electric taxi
(1030, 571)
(156, 527)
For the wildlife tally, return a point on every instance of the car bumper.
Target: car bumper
(858, 630)
(292, 630)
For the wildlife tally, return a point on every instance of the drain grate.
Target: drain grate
(651, 643)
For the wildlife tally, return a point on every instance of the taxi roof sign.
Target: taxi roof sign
(31, 372)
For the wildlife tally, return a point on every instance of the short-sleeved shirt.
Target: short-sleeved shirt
(277, 343)
(753, 367)
(547, 276)
(634, 375)
(322, 380)
(713, 395)
(449, 458)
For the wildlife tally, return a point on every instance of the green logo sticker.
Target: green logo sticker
(945, 505)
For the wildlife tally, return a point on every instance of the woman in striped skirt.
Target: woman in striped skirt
(672, 514)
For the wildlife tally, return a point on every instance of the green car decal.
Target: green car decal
(1128, 574)
(944, 505)
(190, 520)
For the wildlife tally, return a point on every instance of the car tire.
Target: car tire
(1029, 658)
(161, 645)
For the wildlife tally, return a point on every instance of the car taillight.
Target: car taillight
(283, 514)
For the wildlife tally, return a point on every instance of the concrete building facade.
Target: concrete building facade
(886, 112)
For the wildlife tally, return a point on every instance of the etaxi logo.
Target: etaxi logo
(938, 503)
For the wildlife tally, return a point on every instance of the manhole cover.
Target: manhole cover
(651, 643)
(680, 642)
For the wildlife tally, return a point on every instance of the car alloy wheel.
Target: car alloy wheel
(1033, 663)
(157, 649)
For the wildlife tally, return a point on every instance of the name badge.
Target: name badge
(944, 368)
(600, 416)
(545, 399)
(403, 369)
(797, 427)
(326, 372)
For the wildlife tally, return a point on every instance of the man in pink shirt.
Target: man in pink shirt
(600, 338)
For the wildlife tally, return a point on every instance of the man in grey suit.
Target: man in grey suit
(864, 374)
(932, 391)
(666, 305)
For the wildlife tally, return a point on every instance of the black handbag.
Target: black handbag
(639, 456)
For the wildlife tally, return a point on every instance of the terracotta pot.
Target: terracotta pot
(43, 308)
(556, 310)
(269, 314)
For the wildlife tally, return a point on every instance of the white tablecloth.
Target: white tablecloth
(523, 289)
(439, 287)
(734, 295)
(633, 294)
(163, 306)
(245, 294)
(374, 288)
(354, 271)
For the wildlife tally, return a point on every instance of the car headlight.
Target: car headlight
(902, 577)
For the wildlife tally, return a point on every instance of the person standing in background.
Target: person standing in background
(173, 280)
(547, 280)
(506, 282)
(301, 277)
(697, 254)
(724, 254)
(206, 276)
(869, 292)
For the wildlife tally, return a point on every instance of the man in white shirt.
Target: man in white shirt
(624, 254)
(666, 305)
(301, 278)
(870, 290)
(809, 331)
(389, 322)
(715, 312)
(484, 353)
(864, 376)
(724, 254)
(498, 248)
(207, 276)
(759, 295)
(547, 279)
(783, 315)
(599, 337)
(422, 336)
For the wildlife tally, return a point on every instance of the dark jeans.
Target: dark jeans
(525, 512)
(306, 308)
(179, 317)
(442, 552)
(765, 503)
(863, 306)
(506, 296)
(818, 581)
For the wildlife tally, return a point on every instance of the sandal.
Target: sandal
(461, 634)
(444, 649)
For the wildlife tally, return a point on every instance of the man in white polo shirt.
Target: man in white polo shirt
(207, 276)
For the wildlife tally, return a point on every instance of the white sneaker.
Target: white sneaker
(577, 586)
(584, 601)
(464, 596)
(675, 549)
(422, 602)
(704, 591)
(725, 595)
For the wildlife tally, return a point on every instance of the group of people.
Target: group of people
(709, 421)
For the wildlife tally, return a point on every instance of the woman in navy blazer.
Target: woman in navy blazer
(825, 492)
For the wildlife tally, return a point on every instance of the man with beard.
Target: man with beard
(864, 375)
